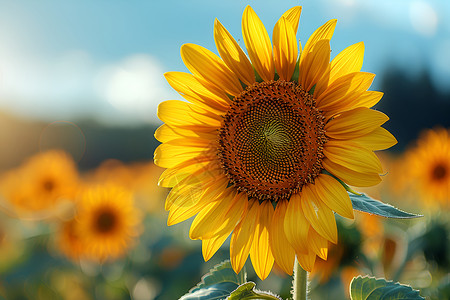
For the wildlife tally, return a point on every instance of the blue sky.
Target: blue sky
(65, 60)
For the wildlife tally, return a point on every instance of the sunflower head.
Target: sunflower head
(107, 221)
(257, 148)
(42, 183)
(428, 167)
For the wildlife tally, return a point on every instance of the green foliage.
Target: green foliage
(370, 288)
(217, 284)
(366, 204)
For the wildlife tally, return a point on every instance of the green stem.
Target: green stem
(299, 285)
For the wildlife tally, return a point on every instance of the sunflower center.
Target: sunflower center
(48, 185)
(271, 140)
(439, 172)
(105, 222)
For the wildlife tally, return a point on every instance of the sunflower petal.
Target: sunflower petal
(282, 251)
(293, 16)
(285, 50)
(318, 244)
(166, 133)
(369, 99)
(260, 252)
(175, 112)
(258, 44)
(198, 91)
(233, 56)
(295, 224)
(355, 123)
(324, 32)
(242, 237)
(343, 90)
(352, 156)
(348, 61)
(212, 244)
(220, 218)
(334, 195)
(318, 214)
(379, 139)
(205, 64)
(351, 177)
(314, 64)
(307, 260)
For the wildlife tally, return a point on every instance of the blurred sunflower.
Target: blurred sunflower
(107, 221)
(252, 153)
(42, 183)
(428, 167)
(70, 241)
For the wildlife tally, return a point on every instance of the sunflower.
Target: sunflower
(107, 221)
(257, 149)
(44, 182)
(428, 167)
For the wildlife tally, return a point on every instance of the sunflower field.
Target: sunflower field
(273, 167)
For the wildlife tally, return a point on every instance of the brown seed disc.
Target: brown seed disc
(271, 140)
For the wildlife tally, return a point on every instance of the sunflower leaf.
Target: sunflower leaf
(366, 204)
(370, 288)
(246, 291)
(219, 283)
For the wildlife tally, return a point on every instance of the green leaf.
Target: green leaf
(246, 291)
(242, 291)
(217, 284)
(370, 288)
(216, 291)
(366, 204)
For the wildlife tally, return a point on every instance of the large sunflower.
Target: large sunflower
(252, 152)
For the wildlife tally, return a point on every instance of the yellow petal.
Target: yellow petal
(324, 32)
(173, 176)
(242, 237)
(368, 99)
(348, 61)
(351, 177)
(355, 123)
(318, 244)
(175, 112)
(295, 225)
(282, 251)
(285, 50)
(198, 91)
(187, 194)
(258, 44)
(205, 64)
(314, 64)
(307, 260)
(293, 16)
(188, 205)
(212, 244)
(260, 252)
(168, 156)
(352, 156)
(379, 139)
(232, 54)
(166, 133)
(219, 218)
(318, 214)
(334, 195)
(344, 89)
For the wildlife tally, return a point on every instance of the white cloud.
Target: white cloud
(74, 85)
(134, 86)
(423, 17)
